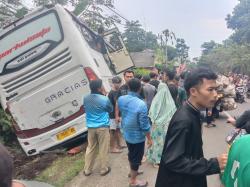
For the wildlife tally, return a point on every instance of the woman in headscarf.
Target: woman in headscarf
(161, 111)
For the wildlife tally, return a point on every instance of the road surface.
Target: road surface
(214, 145)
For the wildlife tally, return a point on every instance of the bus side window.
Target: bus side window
(86, 35)
(114, 41)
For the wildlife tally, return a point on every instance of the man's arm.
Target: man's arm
(174, 155)
(109, 106)
(144, 124)
(143, 119)
(243, 119)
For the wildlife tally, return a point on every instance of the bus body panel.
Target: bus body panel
(43, 86)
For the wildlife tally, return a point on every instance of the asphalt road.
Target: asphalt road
(214, 145)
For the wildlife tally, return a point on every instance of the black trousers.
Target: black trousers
(135, 154)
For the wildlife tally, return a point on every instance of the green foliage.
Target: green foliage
(141, 71)
(239, 22)
(80, 6)
(21, 12)
(137, 39)
(182, 49)
(228, 57)
(207, 47)
(59, 175)
(160, 55)
(7, 135)
(46, 2)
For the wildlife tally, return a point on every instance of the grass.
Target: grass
(62, 170)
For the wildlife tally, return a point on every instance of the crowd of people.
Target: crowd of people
(164, 114)
(157, 117)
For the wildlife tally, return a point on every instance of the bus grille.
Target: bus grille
(37, 72)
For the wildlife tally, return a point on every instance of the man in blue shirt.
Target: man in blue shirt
(136, 127)
(97, 108)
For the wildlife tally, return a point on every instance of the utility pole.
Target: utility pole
(168, 35)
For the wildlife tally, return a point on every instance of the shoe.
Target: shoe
(86, 173)
(106, 172)
(139, 184)
(138, 173)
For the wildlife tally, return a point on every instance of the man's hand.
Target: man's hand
(222, 159)
(231, 120)
(149, 142)
(117, 120)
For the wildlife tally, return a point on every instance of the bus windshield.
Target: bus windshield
(28, 41)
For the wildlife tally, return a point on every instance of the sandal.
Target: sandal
(106, 172)
(116, 151)
(139, 184)
(210, 125)
(138, 173)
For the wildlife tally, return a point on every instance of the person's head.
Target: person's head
(153, 75)
(134, 85)
(96, 86)
(176, 80)
(146, 78)
(116, 81)
(168, 75)
(201, 87)
(100, 30)
(128, 74)
(6, 167)
(183, 75)
(138, 76)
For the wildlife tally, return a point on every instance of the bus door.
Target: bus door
(117, 51)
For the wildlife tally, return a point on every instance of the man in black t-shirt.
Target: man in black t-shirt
(168, 78)
(115, 133)
(123, 90)
(153, 80)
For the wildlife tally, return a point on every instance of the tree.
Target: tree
(182, 50)
(239, 22)
(226, 58)
(137, 39)
(207, 47)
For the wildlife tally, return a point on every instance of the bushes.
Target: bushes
(141, 71)
(7, 136)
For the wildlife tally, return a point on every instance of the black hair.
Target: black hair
(116, 80)
(6, 167)
(196, 76)
(134, 85)
(152, 75)
(138, 76)
(146, 78)
(94, 85)
(128, 71)
(170, 73)
(177, 78)
(183, 75)
(100, 30)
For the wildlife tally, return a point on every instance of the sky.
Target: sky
(196, 21)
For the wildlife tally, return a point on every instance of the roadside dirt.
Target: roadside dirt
(29, 167)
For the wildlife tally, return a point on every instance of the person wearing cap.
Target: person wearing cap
(115, 133)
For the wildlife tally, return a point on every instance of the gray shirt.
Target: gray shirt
(149, 93)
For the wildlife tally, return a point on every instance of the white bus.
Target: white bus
(46, 62)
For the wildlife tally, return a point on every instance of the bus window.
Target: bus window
(113, 42)
(33, 39)
(89, 37)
